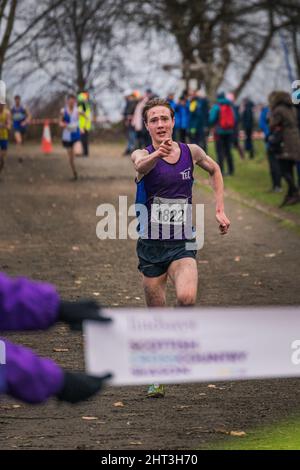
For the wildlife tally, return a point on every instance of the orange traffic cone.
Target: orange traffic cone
(46, 139)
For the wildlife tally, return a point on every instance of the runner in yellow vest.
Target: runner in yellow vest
(5, 125)
(85, 120)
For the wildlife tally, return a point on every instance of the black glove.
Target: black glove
(79, 386)
(74, 313)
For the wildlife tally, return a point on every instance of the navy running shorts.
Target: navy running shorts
(155, 256)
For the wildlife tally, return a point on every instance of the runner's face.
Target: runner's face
(71, 102)
(160, 123)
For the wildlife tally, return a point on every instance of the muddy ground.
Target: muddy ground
(48, 232)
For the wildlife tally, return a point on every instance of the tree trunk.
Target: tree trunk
(10, 19)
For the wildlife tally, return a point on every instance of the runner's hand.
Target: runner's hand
(224, 222)
(165, 148)
(74, 313)
(79, 386)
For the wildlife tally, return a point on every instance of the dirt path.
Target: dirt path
(48, 231)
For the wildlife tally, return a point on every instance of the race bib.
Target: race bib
(169, 211)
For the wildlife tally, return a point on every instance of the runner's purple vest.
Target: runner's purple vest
(168, 184)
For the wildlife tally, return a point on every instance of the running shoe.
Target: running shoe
(156, 391)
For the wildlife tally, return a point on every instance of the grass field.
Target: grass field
(283, 436)
(252, 179)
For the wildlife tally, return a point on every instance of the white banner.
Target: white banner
(194, 345)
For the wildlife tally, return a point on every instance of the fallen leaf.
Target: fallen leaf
(135, 443)
(9, 407)
(257, 283)
(119, 404)
(115, 305)
(245, 274)
(237, 433)
(211, 386)
(96, 294)
(60, 350)
(270, 255)
(75, 248)
(137, 298)
(237, 259)
(89, 418)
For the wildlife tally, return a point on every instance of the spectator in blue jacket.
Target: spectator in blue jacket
(172, 103)
(198, 119)
(182, 116)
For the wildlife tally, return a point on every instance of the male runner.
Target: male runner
(164, 184)
(21, 117)
(69, 121)
(5, 125)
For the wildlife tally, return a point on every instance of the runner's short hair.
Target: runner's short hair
(156, 102)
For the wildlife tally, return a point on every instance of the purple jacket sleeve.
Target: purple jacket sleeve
(26, 304)
(28, 377)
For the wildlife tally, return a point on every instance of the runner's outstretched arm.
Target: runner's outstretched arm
(144, 162)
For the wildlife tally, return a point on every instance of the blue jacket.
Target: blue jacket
(215, 114)
(263, 121)
(198, 114)
(182, 116)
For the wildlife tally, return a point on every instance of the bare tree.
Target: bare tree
(290, 11)
(7, 18)
(76, 45)
(213, 34)
(12, 12)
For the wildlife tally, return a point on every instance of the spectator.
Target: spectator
(198, 118)
(284, 140)
(222, 117)
(131, 103)
(236, 132)
(272, 159)
(182, 117)
(248, 124)
(85, 120)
